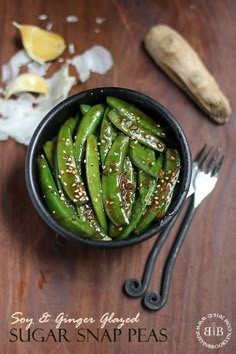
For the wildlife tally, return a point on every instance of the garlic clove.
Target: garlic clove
(27, 83)
(41, 45)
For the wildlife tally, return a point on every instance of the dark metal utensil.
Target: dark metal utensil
(204, 177)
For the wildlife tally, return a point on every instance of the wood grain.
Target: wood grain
(39, 276)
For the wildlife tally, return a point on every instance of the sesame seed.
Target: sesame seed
(53, 212)
(50, 187)
(65, 184)
(44, 166)
(172, 157)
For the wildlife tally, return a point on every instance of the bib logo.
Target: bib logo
(213, 331)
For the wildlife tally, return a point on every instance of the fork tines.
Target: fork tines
(208, 162)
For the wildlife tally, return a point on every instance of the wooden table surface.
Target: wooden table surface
(81, 282)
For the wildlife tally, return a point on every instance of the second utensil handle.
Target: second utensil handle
(155, 300)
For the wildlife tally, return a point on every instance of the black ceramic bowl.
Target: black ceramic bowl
(49, 128)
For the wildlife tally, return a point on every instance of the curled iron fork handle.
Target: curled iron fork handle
(155, 300)
(135, 288)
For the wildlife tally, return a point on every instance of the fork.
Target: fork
(205, 173)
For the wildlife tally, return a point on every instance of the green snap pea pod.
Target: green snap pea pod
(145, 194)
(112, 195)
(164, 191)
(137, 116)
(49, 149)
(87, 126)
(72, 182)
(114, 230)
(60, 188)
(141, 134)
(71, 123)
(128, 188)
(84, 108)
(50, 146)
(145, 182)
(94, 181)
(60, 212)
(86, 213)
(144, 159)
(108, 133)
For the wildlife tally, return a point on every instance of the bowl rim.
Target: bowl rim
(31, 182)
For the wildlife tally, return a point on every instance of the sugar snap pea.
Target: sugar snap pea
(141, 134)
(128, 189)
(68, 173)
(147, 187)
(60, 212)
(86, 214)
(128, 185)
(84, 108)
(94, 181)
(164, 190)
(108, 133)
(87, 126)
(144, 158)
(137, 116)
(49, 149)
(71, 123)
(111, 187)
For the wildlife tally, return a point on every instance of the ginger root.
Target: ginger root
(182, 64)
